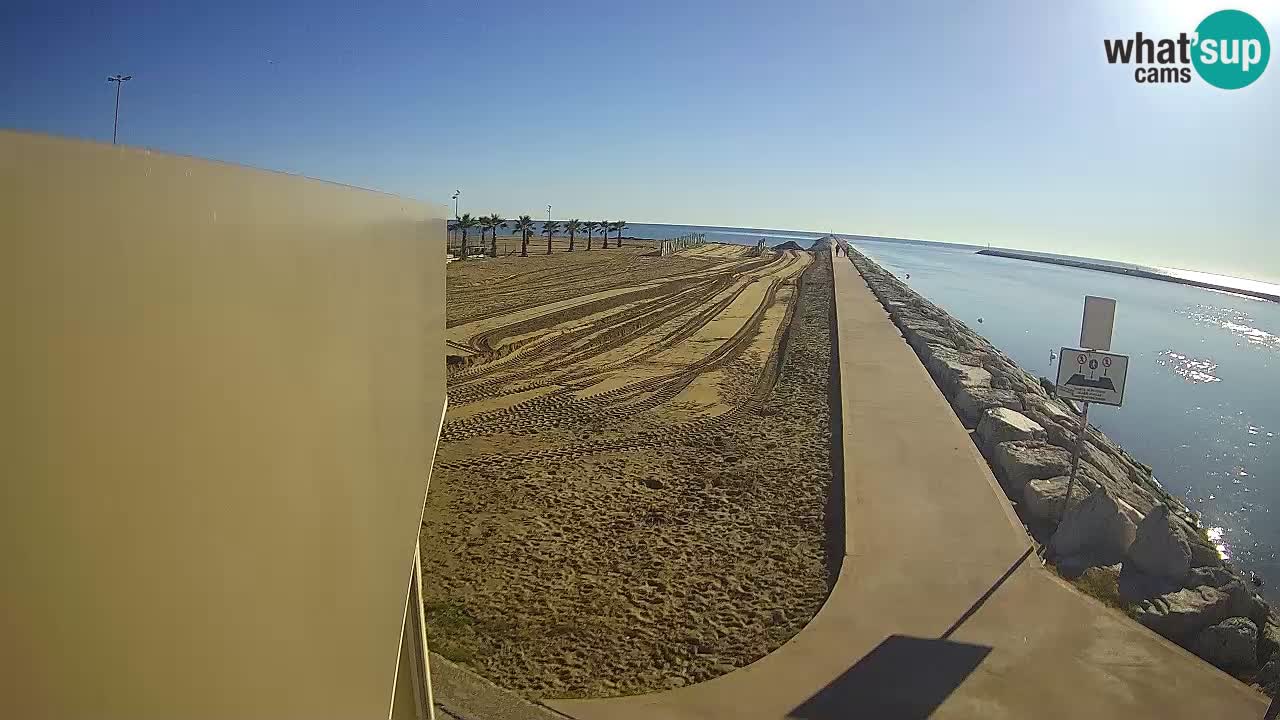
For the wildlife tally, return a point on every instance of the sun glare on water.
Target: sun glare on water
(1215, 536)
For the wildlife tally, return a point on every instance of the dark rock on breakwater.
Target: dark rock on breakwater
(1167, 574)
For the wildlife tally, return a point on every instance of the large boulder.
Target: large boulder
(1269, 639)
(1230, 644)
(1215, 577)
(1246, 603)
(1202, 553)
(1101, 527)
(1135, 586)
(938, 360)
(1001, 424)
(924, 342)
(971, 402)
(1161, 549)
(1019, 461)
(1053, 411)
(1074, 567)
(1042, 498)
(1269, 677)
(1094, 455)
(1179, 615)
(911, 326)
(957, 375)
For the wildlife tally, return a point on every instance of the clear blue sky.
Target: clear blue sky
(963, 121)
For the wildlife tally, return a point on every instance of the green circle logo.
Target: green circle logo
(1232, 49)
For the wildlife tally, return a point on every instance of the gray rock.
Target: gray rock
(957, 375)
(1000, 424)
(1058, 435)
(1230, 644)
(1096, 456)
(1202, 554)
(930, 333)
(1073, 566)
(923, 342)
(1161, 549)
(1054, 410)
(1246, 603)
(1042, 498)
(1179, 615)
(971, 401)
(1100, 526)
(1019, 461)
(1061, 430)
(912, 325)
(1136, 586)
(938, 360)
(1269, 677)
(1215, 577)
(1269, 640)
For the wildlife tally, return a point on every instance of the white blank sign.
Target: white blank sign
(1095, 328)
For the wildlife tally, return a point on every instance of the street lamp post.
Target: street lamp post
(456, 193)
(119, 80)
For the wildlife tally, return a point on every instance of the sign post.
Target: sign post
(1075, 461)
(1089, 375)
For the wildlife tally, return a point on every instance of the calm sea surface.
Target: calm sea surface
(1202, 401)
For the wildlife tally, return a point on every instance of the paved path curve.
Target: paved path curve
(941, 610)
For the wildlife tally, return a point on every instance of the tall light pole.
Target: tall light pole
(548, 213)
(119, 80)
(456, 193)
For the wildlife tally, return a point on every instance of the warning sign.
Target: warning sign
(1092, 376)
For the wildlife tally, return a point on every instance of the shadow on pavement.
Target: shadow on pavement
(903, 678)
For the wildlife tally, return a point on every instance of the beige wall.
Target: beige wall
(220, 391)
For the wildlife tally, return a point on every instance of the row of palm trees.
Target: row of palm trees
(527, 227)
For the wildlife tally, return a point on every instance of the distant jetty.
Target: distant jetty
(1131, 271)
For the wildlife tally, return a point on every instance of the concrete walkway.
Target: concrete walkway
(459, 694)
(941, 609)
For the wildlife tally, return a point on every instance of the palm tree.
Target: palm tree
(483, 223)
(604, 233)
(591, 227)
(466, 222)
(572, 227)
(619, 227)
(494, 222)
(551, 227)
(525, 226)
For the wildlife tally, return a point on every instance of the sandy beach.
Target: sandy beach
(631, 487)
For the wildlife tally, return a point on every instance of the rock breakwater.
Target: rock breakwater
(1166, 573)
